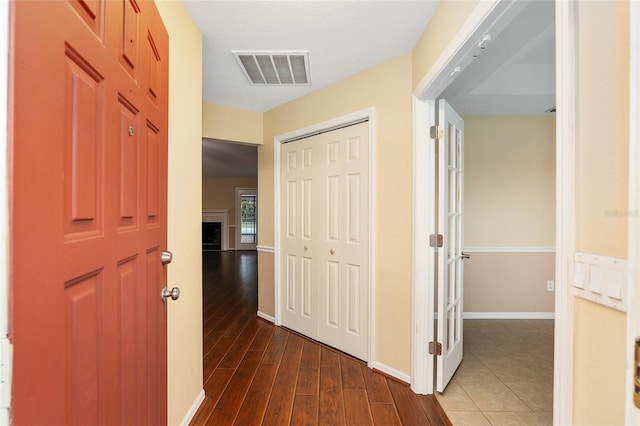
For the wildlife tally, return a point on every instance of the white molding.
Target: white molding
(565, 12)
(489, 16)
(510, 249)
(509, 315)
(222, 216)
(423, 258)
(369, 114)
(193, 409)
(601, 280)
(5, 354)
(266, 317)
(391, 372)
(632, 415)
(265, 249)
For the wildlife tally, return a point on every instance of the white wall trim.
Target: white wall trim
(565, 209)
(6, 347)
(370, 115)
(391, 372)
(193, 409)
(509, 315)
(266, 317)
(510, 249)
(265, 249)
(632, 415)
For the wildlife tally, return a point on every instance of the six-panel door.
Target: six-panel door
(88, 212)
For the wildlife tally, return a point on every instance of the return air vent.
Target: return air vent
(275, 68)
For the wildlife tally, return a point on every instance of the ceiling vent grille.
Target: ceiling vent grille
(275, 68)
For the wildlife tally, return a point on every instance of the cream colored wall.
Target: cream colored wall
(231, 124)
(446, 21)
(184, 331)
(220, 193)
(599, 365)
(387, 88)
(509, 181)
(509, 205)
(601, 177)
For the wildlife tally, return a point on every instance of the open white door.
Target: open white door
(450, 256)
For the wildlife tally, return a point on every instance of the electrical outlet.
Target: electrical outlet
(551, 285)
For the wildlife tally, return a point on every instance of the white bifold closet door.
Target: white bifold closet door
(324, 254)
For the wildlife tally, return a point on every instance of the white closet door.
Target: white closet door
(325, 241)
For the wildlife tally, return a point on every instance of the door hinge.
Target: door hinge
(436, 240)
(436, 132)
(435, 348)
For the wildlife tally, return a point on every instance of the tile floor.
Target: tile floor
(506, 376)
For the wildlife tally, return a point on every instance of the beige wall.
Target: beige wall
(220, 193)
(387, 88)
(602, 176)
(508, 282)
(184, 331)
(446, 21)
(231, 124)
(509, 205)
(509, 181)
(599, 365)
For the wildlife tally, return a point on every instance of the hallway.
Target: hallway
(256, 373)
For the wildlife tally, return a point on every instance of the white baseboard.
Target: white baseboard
(508, 315)
(392, 372)
(194, 408)
(266, 317)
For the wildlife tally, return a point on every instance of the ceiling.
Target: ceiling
(515, 74)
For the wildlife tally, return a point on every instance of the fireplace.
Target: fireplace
(211, 236)
(215, 232)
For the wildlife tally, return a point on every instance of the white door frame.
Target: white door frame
(368, 114)
(490, 17)
(632, 416)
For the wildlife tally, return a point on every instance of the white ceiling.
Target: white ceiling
(515, 74)
(342, 37)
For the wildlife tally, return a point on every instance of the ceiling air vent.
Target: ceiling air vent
(275, 68)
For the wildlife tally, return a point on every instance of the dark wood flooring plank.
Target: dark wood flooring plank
(305, 410)
(356, 407)
(329, 357)
(255, 403)
(276, 346)
(351, 373)
(385, 415)
(216, 354)
(309, 374)
(281, 401)
(203, 413)
(433, 410)
(217, 383)
(237, 351)
(229, 404)
(409, 409)
(376, 385)
(263, 336)
(331, 407)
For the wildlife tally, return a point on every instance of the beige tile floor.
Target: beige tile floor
(506, 375)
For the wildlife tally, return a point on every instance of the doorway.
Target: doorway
(246, 218)
(485, 31)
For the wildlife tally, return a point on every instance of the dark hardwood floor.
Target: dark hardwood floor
(256, 373)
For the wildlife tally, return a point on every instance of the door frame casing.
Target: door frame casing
(341, 121)
(493, 14)
(632, 415)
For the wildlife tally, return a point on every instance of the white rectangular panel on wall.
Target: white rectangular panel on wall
(332, 296)
(333, 208)
(290, 279)
(353, 299)
(601, 279)
(353, 208)
(307, 287)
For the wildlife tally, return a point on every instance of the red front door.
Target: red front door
(88, 107)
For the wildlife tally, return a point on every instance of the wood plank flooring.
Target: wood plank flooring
(256, 373)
